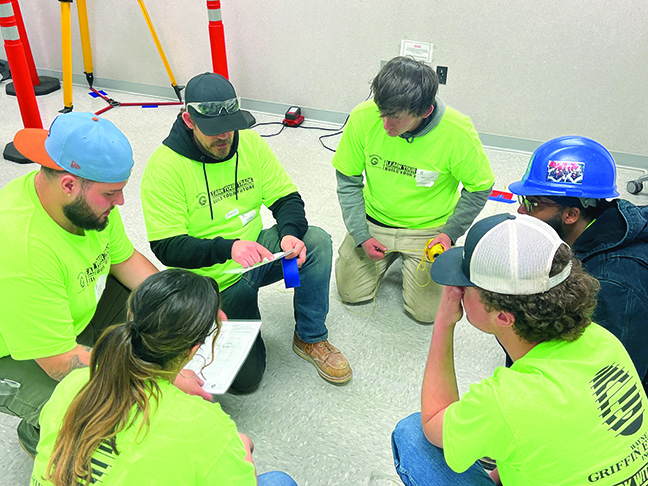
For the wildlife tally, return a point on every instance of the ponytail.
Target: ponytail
(170, 313)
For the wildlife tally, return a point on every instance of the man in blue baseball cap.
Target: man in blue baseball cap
(569, 184)
(66, 265)
(569, 411)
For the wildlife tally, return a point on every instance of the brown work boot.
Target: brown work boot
(329, 361)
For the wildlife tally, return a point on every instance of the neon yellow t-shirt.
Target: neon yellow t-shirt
(566, 413)
(175, 202)
(398, 174)
(189, 442)
(50, 279)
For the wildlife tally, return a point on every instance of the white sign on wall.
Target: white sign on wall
(421, 51)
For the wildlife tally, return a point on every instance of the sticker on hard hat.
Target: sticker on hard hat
(569, 172)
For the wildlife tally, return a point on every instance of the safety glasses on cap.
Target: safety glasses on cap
(215, 108)
(531, 203)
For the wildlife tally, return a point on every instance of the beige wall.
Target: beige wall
(528, 69)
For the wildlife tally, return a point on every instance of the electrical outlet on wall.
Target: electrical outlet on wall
(442, 74)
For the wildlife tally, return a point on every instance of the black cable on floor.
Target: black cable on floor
(336, 131)
(270, 123)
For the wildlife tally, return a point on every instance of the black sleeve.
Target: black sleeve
(290, 215)
(188, 252)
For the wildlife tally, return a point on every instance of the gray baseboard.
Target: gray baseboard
(622, 159)
(126, 86)
(503, 142)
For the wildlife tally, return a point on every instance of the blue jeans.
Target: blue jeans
(310, 301)
(420, 463)
(276, 478)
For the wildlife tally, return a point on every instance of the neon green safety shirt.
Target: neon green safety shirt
(175, 201)
(50, 279)
(189, 442)
(568, 413)
(412, 185)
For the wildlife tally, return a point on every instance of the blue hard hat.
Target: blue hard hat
(569, 166)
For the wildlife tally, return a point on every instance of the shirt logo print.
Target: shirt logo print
(398, 168)
(619, 400)
(88, 276)
(202, 199)
(231, 190)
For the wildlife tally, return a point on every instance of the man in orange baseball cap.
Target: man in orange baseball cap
(67, 266)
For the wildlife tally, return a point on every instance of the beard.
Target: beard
(218, 153)
(80, 215)
(557, 224)
(212, 149)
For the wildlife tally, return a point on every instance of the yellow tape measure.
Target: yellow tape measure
(431, 254)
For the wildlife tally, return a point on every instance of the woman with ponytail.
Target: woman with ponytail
(123, 422)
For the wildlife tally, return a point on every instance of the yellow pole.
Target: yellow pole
(159, 47)
(66, 44)
(82, 12)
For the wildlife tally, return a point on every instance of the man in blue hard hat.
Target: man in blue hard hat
(569, 184)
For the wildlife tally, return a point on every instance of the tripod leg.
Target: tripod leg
(82, 12)
(66, 44)
(175, 86)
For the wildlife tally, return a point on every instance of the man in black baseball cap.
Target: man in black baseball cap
(213, 105)
(202, 193)
(569, 411)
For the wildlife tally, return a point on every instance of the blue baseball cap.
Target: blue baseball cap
(82, 144)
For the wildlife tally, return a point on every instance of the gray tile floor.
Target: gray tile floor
(318, 433)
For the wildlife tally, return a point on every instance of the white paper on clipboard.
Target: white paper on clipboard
(265, 261)
(233, 345)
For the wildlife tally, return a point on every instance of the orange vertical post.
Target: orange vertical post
(217, 38)
(19, 68)
(25, 42)
(42, 84)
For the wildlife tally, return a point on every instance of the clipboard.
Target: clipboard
(232, 347)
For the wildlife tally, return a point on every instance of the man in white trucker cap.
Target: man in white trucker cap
(569, 411)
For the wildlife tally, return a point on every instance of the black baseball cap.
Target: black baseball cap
(213, 105)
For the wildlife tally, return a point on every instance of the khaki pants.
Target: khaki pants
(357, 276)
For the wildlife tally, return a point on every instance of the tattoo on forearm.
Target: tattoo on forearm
(74, 363)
